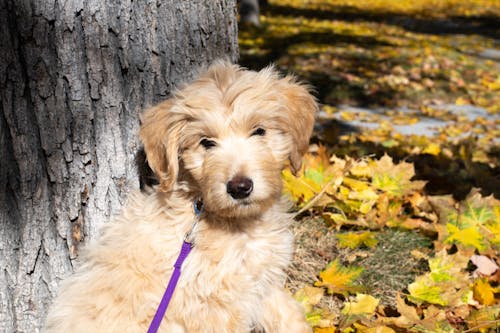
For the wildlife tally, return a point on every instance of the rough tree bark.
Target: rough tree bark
(74, 76)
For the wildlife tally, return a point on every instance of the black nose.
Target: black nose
(239, 187)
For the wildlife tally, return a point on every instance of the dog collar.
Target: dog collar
(187, 245)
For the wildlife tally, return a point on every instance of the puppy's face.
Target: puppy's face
(229, 134)
(235, 156)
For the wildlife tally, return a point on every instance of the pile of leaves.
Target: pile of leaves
(459, 290)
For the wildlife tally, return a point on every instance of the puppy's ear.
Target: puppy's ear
(160, 134)
(301, 108)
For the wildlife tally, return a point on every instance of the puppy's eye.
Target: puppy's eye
(259, 131)
(207, 143)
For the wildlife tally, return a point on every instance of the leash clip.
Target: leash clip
(198, 209)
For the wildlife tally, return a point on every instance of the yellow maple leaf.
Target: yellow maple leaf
(394, 179)
(362, 305)
(299, 188)
(472, 224)
(445, 267)
(484, 293)
(467, 237)
(353, 240)
(423, 290)
(309, 179)
(446, 283)
(339, 279)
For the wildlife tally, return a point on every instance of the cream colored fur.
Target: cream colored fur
(233, 279)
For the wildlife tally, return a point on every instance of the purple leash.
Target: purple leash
(187, 245)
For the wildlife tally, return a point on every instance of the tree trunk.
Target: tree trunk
(74, 76)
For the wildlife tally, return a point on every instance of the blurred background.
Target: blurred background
(419, 80)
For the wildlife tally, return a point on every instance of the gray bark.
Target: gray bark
(74, 75)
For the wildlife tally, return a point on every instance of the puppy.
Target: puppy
(223, 141)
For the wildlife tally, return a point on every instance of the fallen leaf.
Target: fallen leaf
(445, 284)
(353, 240)
(423, 290)
(361, 305)
(468, 236)
(485, 266)
(472, 224)
(483, 292)
(309, 296)
(408, 314)
(339, 279)
(484, 318)
(394, 179)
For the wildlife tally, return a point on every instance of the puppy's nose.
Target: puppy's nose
(239, 187)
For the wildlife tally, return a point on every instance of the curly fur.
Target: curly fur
(233, 279)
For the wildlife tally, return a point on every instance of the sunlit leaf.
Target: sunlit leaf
(472, 224)
(362, 304)
(423, 290)
(468, 237)
(484, 292)
(445, 284)
(353, 240)
(392, 178)
(301, 189)
(339, 279)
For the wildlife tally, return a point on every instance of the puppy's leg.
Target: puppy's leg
(281, 313)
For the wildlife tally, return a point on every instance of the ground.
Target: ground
(397, 205)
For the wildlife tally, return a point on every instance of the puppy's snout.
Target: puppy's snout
(239, 187)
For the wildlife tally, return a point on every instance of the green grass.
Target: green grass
(390, 267)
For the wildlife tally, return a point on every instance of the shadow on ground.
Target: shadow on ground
(486, 25)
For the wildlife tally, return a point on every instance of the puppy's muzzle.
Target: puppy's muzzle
(239, 187)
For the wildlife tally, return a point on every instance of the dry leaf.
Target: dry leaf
(339, 279)
(485, 266)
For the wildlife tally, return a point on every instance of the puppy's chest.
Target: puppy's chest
(241, 260)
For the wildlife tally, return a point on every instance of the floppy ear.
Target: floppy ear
(160, 134)
(301, 107)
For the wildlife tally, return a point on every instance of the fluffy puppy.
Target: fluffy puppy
(223, 139)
